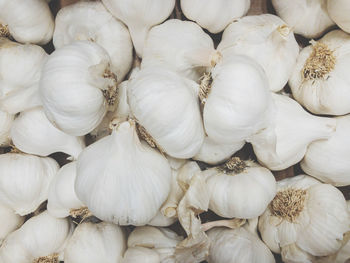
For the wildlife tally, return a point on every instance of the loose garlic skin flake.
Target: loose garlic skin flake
(6, 121)
(339, 12)
(9, 221)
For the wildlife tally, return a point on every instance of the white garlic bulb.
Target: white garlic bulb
(140, 16)
(240, 189)
(290, 143)
(33, 133)
(328, 160)
(320, 79)
(214, 15)
(338, 11)
(167, 107)
(91, 243)
(27, 21)
(305, 219)
(266, 39)
(308, 18)
(9, 221)
(77, 87)
(128, 177)
(24, 181)
(41, 239)
(6, 121)
(20, 70)
(91, 21)
(141, 255)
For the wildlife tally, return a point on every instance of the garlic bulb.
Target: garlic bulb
(214, 15)
(338, 11)
(91, 243)
(24, 181)
(77, 87)
(27, 21)
(20, 70)
(238, 102)
(141, 255)
(308, 18)
(181, 46)
(266, 39)
(140, 16)
(91, 21)
(305, 219)
(320, 79)
(6, 121)
(9, 221)
(291, 141)
(167, 107)
(229, 193)
(128, 177)
(41, 239)
(33, 133)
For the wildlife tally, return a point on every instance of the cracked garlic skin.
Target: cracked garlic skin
(41, 237)
(307, 18)
(92, 243)
(27, 21)
(10, 221)
(130, 179)
(91, 21)
(214, 15)
(320, 79)
(269, 41)
(306, 219)
(6, 121)
(140, 16)
(339, 10)
(77, 87)
(24, 181)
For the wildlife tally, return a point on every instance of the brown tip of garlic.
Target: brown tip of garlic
(205, 87)
(215, 58)
(82, 212)
(284, 30)
(4, 31)
(53, 258)
(233, 166)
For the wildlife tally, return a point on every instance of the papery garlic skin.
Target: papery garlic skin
(33, 133)
(320, 78)
(91, 21)
(141, 255)
(214, 15)
(338, 11)
(167, 106)
(6, 121)
(40, 236)
(20, 70)
(131, 179)
(140, 16)
(266, 39)
(24, 181)
(91, 243)
(307, 18)
(161, 220)
(28, 21)
(9, 221)
(77, 87)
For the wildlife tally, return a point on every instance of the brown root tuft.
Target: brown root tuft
(4, 31)
(82, 213)
(205, 87)
(233, 165)
(53, 258)
(111, 94)
(144, 135)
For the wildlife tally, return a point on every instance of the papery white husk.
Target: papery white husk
(28, 21)
(239, 103)
(316, 231)
(140, 16)
(338, 11)
(328, 160)
(290, 143)
(327, 93)
(20, 70)
(181, 46)
(266, 39)
(167, 106)
(128, 177)
(71, 87)
(141, 255)
(214, 15)
(91, 243)
(24, 181)
(308, 18)
(91, 21)
(6, 121)
(160, 220)
(40, 236)
(33, 133)
(9, 221)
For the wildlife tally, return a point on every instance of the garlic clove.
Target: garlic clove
(338, 11)
(141, 255)
(9, 221)
(6, 121)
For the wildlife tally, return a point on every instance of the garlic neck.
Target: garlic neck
(4, 31)
(233, 166)
(280, 34)
(53, 258)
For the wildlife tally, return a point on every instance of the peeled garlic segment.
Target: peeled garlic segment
(9, 221)
(308, 18)
(6, 121)
(91, 21)
(214, 15)
(140, 16)
(339, 10)
(128, 177)
(33, 133)
(266, 39)
(320, 79)
(91, 243)
(25, 180)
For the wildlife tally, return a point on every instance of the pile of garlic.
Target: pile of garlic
(145, 138)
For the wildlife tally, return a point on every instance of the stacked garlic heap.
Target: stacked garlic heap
(151, 131)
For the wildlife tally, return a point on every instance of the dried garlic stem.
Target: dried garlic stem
(4, 31)
(230, 223)
(233, 166)
(82, 212)
(204, 88)
(49, 259)
(111, 94)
